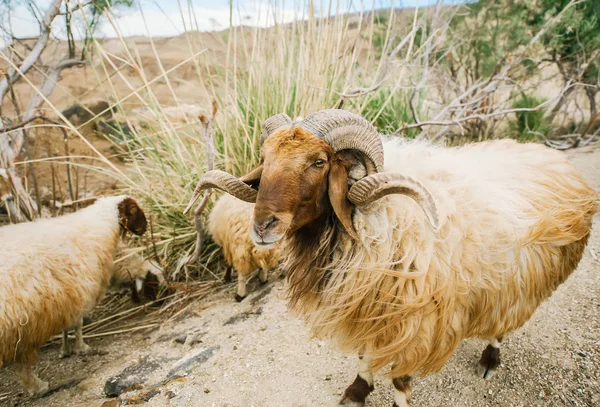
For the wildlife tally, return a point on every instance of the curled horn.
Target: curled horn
(273, 123)
(226, 182)
(344, 130)
(373, 187)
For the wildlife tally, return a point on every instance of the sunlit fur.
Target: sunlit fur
(229, 224)
(53, 271)
(515, 219)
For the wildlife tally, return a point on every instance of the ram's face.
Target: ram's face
(293, 184)
(304, 176)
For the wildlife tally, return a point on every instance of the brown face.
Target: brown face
(131, 217)
(301, 179)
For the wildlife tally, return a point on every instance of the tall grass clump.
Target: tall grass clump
(313, 62)
(529, 125)
(296, 68)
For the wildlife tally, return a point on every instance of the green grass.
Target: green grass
(529, 126)
(297, 68)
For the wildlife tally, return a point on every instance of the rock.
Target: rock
(242, 316)
(186, 363)
(130, 378)
(111, 403)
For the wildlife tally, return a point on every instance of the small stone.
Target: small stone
(131, 378)
(206, 391)
(186, 363)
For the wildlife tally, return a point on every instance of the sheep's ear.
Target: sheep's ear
(253, 177)
(338, 192)
(131, 217)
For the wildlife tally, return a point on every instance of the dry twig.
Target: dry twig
(209, 143)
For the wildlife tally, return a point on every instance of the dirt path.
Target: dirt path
(256, 354)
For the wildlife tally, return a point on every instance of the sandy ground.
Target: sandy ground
(256, 354)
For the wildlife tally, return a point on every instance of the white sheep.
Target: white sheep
(141, 275)
(53, 271)
(401, 262)
(229, 224)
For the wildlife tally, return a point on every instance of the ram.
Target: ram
(53, 271)
(399, 262)
(229, 224)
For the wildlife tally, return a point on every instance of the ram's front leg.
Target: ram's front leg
(81, 348)
(357, 392)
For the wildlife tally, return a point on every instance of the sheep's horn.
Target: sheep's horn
(273, 123)
(344, 130)
(373, 187)
(226, 182)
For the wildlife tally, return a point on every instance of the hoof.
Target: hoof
(64, 353)
(263, 282)
(239, 298)
(485, 372)
(356, 394)
(489, 362)
(84, 349)
(346, 402)
(39, 388)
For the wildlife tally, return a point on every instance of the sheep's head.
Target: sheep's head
(331, 160)
(131, 217)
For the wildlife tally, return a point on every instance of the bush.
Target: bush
(532, 125)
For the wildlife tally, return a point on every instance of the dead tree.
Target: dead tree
(13, 141)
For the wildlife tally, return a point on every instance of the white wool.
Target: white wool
(52, 272)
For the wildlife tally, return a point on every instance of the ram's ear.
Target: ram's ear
(253, 177)
(338, 194)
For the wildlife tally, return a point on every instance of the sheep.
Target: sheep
(142, 276)
(53, 272)
(229, 224)
(400, 262)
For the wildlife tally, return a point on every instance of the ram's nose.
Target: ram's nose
(264, 226)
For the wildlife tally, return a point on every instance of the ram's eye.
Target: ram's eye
(319, 163)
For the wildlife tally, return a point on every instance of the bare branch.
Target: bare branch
(209, 143)
(472, 117)
(48, 87)
(386, 69)
(32, 58)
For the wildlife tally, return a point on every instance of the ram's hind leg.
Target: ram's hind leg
(402, 391)
(227, 277)
(29, 379)
(357, 392)
(490, 359)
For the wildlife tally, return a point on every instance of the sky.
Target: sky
(165, 18)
